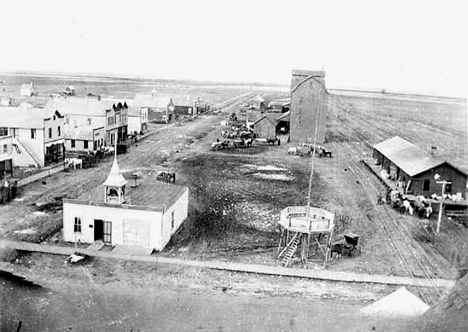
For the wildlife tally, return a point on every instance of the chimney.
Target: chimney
(135, 177)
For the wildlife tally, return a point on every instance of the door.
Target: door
(107, 234)
(136, 233)
(98, 230)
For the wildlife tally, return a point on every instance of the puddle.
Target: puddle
(271, 168)
(26, 231)
(265, 168)
(279, 177)
(39, 213)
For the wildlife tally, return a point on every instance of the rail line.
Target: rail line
(397, 236)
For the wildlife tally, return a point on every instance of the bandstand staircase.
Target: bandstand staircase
(291, 249)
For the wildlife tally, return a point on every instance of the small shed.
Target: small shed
(28, 90)
(265, 127)
(69, 90)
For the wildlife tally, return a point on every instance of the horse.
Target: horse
(408, 208)
(380, 199)
(338, 249)
(428, 212)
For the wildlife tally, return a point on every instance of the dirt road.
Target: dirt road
(100, 296)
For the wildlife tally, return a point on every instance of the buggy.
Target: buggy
(168, 177)
(349, 248)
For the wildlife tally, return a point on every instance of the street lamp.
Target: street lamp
(444, 183)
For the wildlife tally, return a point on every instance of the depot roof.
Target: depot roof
(408, 157)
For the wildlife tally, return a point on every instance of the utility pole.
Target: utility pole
(439, 220)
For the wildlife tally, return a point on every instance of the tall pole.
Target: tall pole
(439, 219)
(315, 147)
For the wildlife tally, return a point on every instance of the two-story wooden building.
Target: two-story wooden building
(37, 135)
(95, 113)
(84, 138)
(6, 154)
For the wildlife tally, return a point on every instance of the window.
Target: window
(89, 121)
(111, 120)
(85, 144)
(54, 117)
(113, 192)
(172, 220)
(448, 188)
(426, 185)
(72, 143)
(77, 225)
(59, 131)
(50, 132)
(3, 131)
(5, 148)
(33, 134)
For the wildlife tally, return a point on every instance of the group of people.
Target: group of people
(421, 205)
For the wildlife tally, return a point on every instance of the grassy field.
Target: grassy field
(424, 121)
(119, 87)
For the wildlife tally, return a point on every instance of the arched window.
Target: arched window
(112, 192)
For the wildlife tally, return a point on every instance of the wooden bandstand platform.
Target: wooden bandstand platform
(301, 225)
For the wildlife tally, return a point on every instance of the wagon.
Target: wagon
(351, 247)
(242, 143)
(168, 177)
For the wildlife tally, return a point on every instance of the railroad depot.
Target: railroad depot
(415, 171)
(146, 215)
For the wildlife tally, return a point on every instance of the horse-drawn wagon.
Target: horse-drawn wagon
(215, 146)
(348, 248)
(242, 143)
(168, 177)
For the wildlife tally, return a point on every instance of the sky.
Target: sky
(415, 46)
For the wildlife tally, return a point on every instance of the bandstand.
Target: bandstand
(299, 227)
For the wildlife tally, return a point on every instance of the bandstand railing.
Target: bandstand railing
(295, 219)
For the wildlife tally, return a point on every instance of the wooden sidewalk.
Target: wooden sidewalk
(317, 274)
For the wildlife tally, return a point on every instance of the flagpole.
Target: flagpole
(314, 150)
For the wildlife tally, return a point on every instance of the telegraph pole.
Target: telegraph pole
(439, 220)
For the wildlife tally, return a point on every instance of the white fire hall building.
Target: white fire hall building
(146, 215)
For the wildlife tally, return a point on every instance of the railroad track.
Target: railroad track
(415, 261)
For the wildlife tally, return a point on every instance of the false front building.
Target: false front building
(146, 215)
